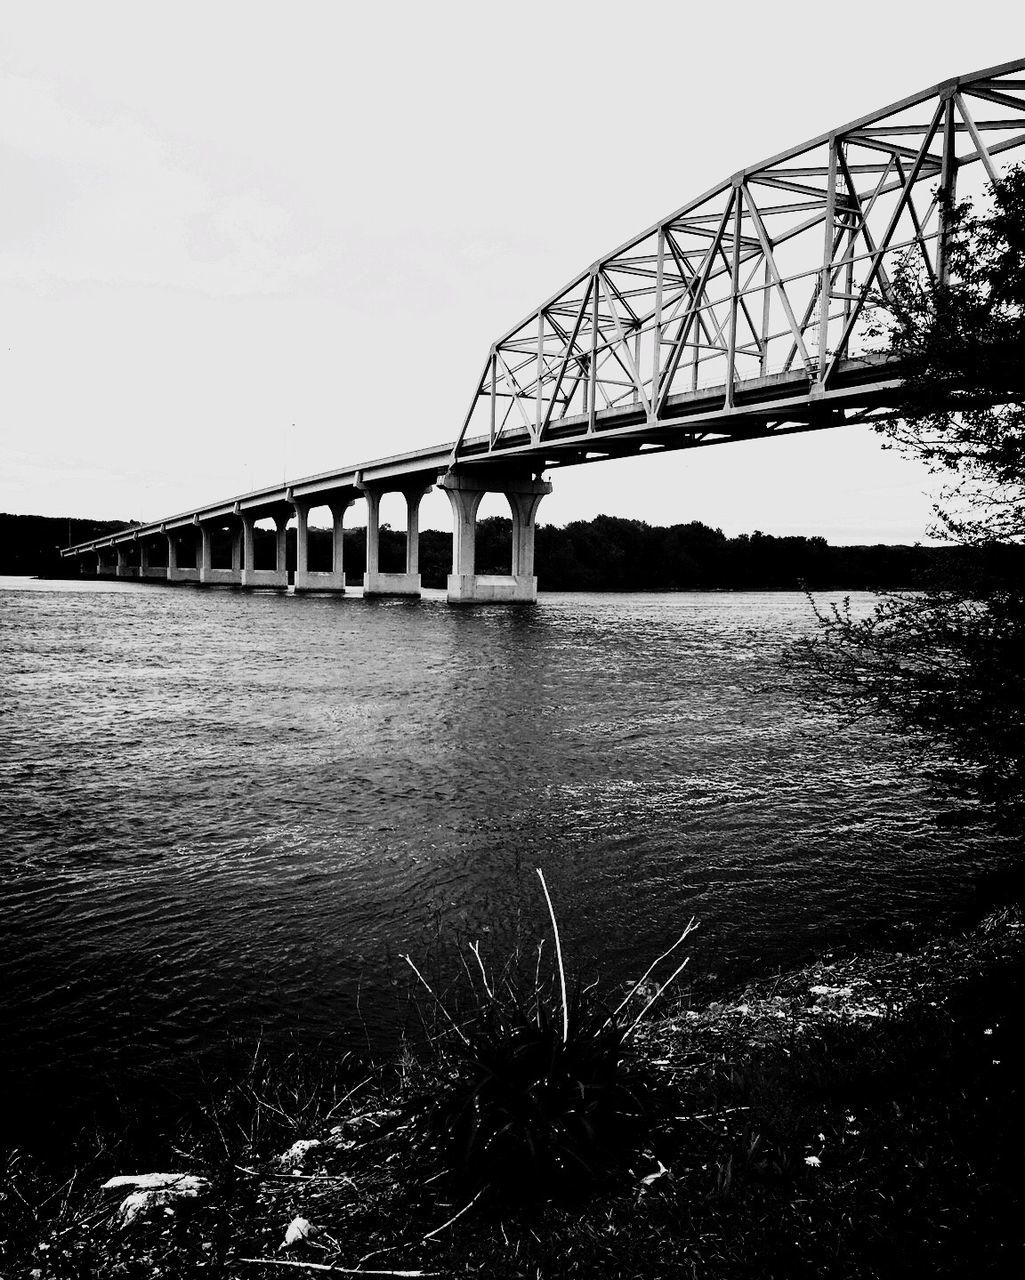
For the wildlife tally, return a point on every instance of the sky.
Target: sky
(241, 242)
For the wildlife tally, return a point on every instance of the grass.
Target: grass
(537, 1088)
(861, 1117)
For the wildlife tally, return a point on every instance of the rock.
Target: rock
(143, 1202)
(832, 993)
(299, 1229)
(184, 1183)
(298, 1151)
(153, 1191)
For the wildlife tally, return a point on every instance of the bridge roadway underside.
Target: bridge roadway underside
(759, 408)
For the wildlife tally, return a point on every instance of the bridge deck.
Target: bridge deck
(773, 405)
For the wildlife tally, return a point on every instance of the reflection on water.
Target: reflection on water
(221, 811)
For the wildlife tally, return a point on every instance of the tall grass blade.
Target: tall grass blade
(475, 948)
(558, 956)
(441, 1006)
(692, 924)
(669, 981)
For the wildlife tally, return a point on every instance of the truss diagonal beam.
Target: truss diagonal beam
(767, 274)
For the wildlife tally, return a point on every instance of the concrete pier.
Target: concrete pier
(175, 571)
(276, 577)
(124, 567)
(376, 583)
(224, 576)
(148, 571)
(217, 546)
(524, 495)
(307, 579)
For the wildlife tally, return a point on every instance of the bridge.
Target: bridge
(745, 314)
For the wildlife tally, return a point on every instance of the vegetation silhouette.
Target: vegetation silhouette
(947, 666)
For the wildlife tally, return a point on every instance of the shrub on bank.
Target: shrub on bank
(539, 1089)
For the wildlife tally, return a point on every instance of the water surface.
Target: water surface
(224, 812)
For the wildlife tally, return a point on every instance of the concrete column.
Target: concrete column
(373, 532)
(281, 519)
(302, 533)
(318, 580)
(464, 498)
(123, 569)
(376, 583)
(248, 524)
(338, 511)
(413, 499)
(175, 572)
(219, 577)
(464, 494)
(524, 513)
(251, 576)
(206, 558)
(147, 569)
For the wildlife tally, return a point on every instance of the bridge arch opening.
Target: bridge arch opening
(493, 543)
(186, 546)
(392, 533)
(319, 539)
(435, 539)
(222, 542)
(265, 544)
(156, 552)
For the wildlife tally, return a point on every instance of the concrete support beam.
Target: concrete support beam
(413, 499)
(147, 570)
(302, 534)
(247, 550)
(465, 586)
(204, 560)
(277, 577)
(376, 583)
(281, 520)
(210, 576)
(524, 505)
(318, 580)
(373, 498)
(338, 510)
(175, 573)
(124, 569)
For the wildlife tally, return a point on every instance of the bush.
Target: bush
(539, 1091)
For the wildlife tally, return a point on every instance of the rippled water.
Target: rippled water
(225, 812)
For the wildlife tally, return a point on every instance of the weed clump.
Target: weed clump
(539, 1091)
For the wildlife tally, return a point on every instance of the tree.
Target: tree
(946, 665)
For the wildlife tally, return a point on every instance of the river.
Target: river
(230, 814)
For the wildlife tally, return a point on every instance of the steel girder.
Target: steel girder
(747, 311)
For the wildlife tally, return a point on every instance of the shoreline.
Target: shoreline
(855, 1116)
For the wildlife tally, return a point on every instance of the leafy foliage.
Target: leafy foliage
(962, 353)
(947, 665)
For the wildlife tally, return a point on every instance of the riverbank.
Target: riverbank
(858, 1117)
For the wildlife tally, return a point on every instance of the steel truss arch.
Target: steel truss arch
(745, 312)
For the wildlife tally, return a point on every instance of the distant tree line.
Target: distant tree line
(30, 544)
(604, 554)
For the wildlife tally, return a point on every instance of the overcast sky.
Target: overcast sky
(243, 241)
